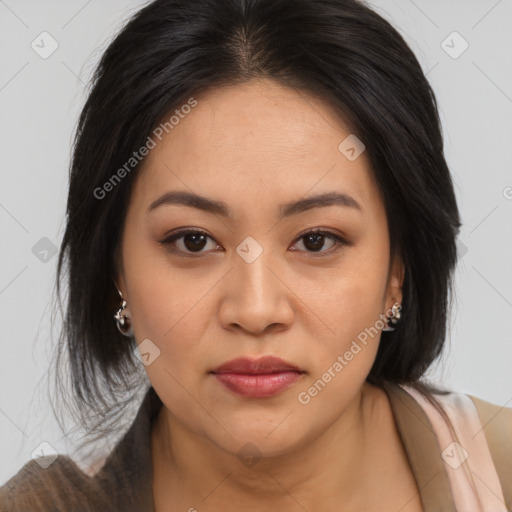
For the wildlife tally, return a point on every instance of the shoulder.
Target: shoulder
(121, 481)
(42, 485)
(495, 418)
(497, 425)
(482, 429)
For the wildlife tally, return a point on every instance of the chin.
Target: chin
(260, 438)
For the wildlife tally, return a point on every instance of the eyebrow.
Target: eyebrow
(285, 210)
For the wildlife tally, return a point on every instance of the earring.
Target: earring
(395, 316)
(123, 321)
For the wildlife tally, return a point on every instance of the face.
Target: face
(254, 281)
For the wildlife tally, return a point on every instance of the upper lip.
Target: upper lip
(261, 365)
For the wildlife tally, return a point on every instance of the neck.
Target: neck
(334, 464)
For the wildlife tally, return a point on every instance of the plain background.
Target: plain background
(40, 100)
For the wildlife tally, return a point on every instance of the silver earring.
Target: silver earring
(123, 321)
(395, 316)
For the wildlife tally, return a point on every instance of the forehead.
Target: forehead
(255, 141)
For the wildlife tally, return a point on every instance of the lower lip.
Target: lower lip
(258, 386)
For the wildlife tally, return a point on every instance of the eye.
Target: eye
(188, 242)
(315, 240)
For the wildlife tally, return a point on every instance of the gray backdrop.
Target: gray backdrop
(48, 50)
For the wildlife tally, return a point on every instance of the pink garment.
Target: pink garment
(473, 479)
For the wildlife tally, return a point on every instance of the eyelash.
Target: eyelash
(167, 242)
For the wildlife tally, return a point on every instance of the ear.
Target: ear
(120, 285)
(118, 275)
(395, 282)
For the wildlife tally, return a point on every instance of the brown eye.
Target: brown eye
(314, 241)
(192, 242)
(187, 242)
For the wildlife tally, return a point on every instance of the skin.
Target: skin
(254, 147)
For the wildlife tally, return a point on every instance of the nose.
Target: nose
(256, 297)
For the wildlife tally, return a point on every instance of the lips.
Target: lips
(257, 378)
(263, 365)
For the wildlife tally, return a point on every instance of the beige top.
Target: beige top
(444, 469)
(124, 483)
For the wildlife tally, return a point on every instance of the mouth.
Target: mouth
(257, 378)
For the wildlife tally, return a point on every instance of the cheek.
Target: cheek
(166, 308)
(173, 319)
(163, 299)
(351, 304)
(341, 362)
(174, 322)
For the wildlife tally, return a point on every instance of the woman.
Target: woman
(259, 197)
